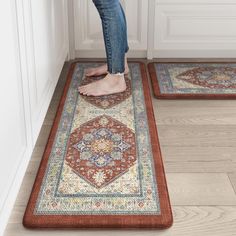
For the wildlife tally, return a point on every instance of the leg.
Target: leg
(114, 31)
(126, 37)
(111, 14)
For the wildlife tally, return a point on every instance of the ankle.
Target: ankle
(116, 75)
(116, 79)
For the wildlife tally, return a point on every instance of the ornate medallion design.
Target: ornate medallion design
(101, 150)
(211, 77)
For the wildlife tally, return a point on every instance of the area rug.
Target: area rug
(102, 166)
(193, 80)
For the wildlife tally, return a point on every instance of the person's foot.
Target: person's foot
(110, 84)
(101, 70)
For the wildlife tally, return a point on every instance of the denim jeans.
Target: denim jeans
(114, 28)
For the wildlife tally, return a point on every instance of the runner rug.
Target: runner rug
(193, 80)
(102, 166)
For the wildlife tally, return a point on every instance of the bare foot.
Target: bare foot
(110, 84)
(101, 70)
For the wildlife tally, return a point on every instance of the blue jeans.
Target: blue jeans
(114, 28)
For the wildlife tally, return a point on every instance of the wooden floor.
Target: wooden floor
(198, 143)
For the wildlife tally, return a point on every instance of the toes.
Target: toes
(81, 89)
(85, 90)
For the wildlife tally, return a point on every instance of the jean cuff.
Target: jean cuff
(120, 74)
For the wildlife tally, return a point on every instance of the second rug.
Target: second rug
(174, 80)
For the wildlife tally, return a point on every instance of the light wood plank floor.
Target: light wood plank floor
(198, 144)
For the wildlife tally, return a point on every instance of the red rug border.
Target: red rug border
(165, 220)
(159, 95)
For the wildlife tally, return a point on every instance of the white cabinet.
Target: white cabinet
(50, 47)
(161, 28)
(195, 28)
(34, 47)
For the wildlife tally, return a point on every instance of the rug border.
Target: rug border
(165, 220)
(158, 94)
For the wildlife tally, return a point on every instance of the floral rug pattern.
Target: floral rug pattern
(196, 78)
(101, 161)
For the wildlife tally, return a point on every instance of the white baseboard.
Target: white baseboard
(162, 54)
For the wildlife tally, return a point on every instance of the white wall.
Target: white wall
(33, 46)
(161, 28)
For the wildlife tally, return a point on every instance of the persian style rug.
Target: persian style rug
(102, 166)
(193, 80)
